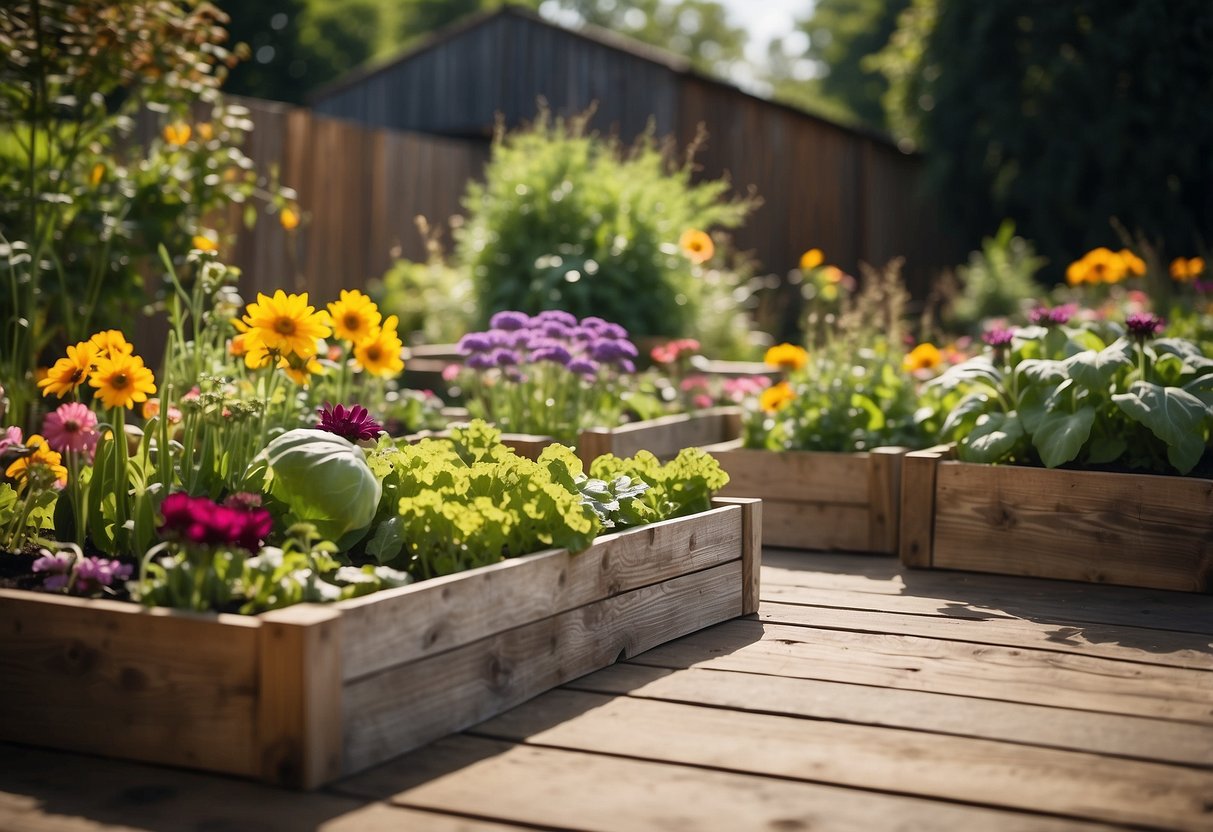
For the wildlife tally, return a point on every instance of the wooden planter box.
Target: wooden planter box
(1140, 530)
(663, 437)
(311, 693)
(814, 500)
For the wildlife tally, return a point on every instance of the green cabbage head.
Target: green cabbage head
(323, 479)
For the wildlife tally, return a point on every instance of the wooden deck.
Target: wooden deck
(863, 697)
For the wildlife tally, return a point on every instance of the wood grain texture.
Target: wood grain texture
(795, 476)
(884, 499)
(558, 789)
(401, 625)
(177, 688)
(299, 704)
(1069, 783)
(1112, 734)
(751, 550)
(816, 526)
(916, 537)
(412, 704)
(1036, 677)
(663, 437)
(1132, 529)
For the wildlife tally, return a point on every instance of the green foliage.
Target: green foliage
(998, 282)
(1063, 396)
(1063, 116)
(24, 516)
(434, 300)
(682, 486)
(567, 219)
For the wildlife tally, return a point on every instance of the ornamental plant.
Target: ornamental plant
(1092, 395)
(550, 374)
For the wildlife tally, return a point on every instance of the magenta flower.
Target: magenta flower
(1143, 325)
(71, 427)
(94, 573)
(11, 438)
(353, 424)
(998, 338)
(204, 522)
(1057, 316)
(56, 568)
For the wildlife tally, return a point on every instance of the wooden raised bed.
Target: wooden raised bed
(311, 693)
(1140, 530)
(816, 500)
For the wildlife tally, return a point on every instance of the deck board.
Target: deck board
(860, 697)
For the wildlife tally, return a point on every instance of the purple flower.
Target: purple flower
(1057, 316)
(1143, 325)
(57, 567)
(612, 351)
(204, 522)
(613, 331)
(583, 366)
(353, 424)
(475, 342)
(505, 358)
(626, 366)
(510, 320)
(556, 329)
(480, 361)
(558, 316)
(94, 573)
(998, 338)
(556, 353)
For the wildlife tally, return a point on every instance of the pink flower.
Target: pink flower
(71, 427)
(702, 400)
(204, 522)
(10, 438)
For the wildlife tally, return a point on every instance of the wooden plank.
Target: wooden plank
(751, 550)
(978, 771)
(107, 677)
(558, 789)
(1107, 640)
(916, 541)
(796, 476)
(1061, 604)
(807, 525)
(1037, 677)
(884, 498)
(664, 436)
(412, 704)
(401, 625)
(1131, 529)
(299, 703)
(1112, 734)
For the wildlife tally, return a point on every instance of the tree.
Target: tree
(839, 36)
(1063, 115)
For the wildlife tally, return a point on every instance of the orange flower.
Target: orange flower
(1134, 264)
(97, 175)
(925, 356)
(811, 259)
(289, 219)
(697, 245)
(177, 133)
(205, 241)
(69, 373)
(786, 357)
(776, 398)
(1187, 270)
(205, 131)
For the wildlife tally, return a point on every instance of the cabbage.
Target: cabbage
(324, 480)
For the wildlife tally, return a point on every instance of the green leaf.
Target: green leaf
(965, 413)
(1105, 449)
(994, 439)
(1060, 435)
(387, 541)
(1041, 371)
(1095, 370)
(1174, 415)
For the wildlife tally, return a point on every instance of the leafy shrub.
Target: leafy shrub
(999, 280)
(571, 220)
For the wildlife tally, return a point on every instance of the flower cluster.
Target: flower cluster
(1187, 269)
(238, 521)
(282, 331)
(354, 423)
(583, 347)
(107, 362)
(703, 391)
(88, 575)
(787, 357)
(1104, 266)
(671, 352)
(375, 340)
(38, 464)
(1052, 316)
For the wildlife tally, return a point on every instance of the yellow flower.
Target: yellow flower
(1185, 270)
(122, 381)
(1077, 273)
(69, 373)
(96, 175)
(1133, 264)
(110, 343)
(42, 455)
(925, 356)
(696, 245)
(355, 316)
(284, 324)
(300, 370)
(775, 398)
(177, 133)
(236, 347)
(1105, 266)
(289, 218)
(205, 131)
(205, 242)
(786, 357)
(379, 353)
(811, 259)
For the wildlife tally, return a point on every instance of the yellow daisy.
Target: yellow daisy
(786, 357)
(1134, 264)
(355, 316)
(300, 370)
(122, 381)
(110, 343)
(379, 354)
(69, 373)
(285, 324)
(696, 245)
(776, 398)
(42, 455)
(925, 356)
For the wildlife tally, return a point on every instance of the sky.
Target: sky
(765, 19)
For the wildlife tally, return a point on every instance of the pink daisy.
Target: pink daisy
(71, 427)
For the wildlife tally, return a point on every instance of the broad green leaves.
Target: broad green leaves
(1173, 415)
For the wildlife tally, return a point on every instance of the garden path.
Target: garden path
(862, 696)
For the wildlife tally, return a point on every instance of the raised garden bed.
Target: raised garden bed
(816, 500)
(305, 695)
(1140, 530)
